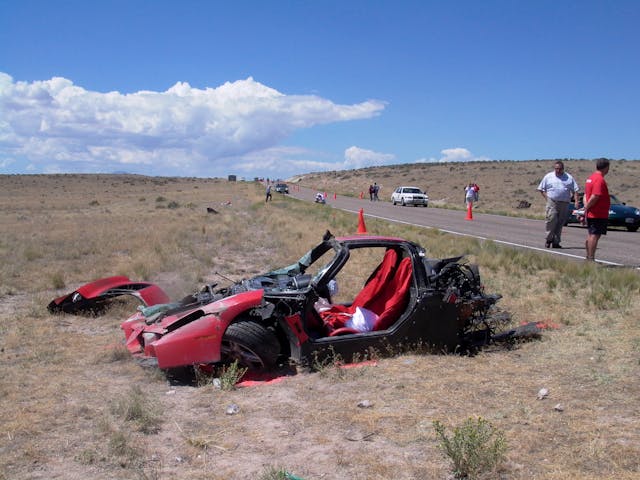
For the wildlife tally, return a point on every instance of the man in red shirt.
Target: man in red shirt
(596, 207)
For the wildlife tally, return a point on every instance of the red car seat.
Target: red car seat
(396, 303)
(369, 297)
(387, 297)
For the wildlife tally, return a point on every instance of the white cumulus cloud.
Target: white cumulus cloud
(54, 125)
(356, 157)
(455, 155)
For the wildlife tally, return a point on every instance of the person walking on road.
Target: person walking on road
(268, 193)
(557, 188)
(596, 206)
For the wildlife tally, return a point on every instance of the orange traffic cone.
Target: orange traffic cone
(362, 228)
(361, 195)
(469, 211)
(335, 195)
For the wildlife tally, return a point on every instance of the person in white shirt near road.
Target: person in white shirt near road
(557, 188)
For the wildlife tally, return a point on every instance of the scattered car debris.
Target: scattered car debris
(558, 407)
(543, 393)
(222, 204)
(524, 331)
(358, 436)
(95, 296)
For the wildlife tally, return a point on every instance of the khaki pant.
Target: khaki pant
(557, 214)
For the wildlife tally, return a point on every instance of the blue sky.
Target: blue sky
(277, 88)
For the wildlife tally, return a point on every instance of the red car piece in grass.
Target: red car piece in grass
(94, 296)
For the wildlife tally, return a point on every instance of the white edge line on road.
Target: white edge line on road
(511, 244)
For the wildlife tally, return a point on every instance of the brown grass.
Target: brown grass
(68, 388)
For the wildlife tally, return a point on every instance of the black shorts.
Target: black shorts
(597, 226)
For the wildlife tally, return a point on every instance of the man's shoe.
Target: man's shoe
(547, 245)
(556, 245)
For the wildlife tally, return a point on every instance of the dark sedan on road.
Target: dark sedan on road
(620, 215)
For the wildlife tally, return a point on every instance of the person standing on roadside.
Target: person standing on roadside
(596, 206)
(557, 188)
(268, 192)
(469, 195)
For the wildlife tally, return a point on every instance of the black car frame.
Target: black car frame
(620, 215)
(297, 315)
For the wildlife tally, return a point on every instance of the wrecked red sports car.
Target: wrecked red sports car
(314, 309)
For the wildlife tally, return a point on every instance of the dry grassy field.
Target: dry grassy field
(75, 405)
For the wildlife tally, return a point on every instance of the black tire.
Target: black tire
(632, 228)
(253, 345)
(394, 202)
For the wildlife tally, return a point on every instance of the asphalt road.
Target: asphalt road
(618, 247)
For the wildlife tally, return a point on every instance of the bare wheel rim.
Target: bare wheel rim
(244, 355)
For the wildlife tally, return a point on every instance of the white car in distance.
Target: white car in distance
(409, 196)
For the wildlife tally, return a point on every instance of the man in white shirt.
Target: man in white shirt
(557, 188)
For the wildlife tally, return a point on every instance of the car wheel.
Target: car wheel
(394, 202)
(632, 228)
(251, 344)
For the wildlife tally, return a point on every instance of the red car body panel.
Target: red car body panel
(295, 324)
(147, 293)
(92, 295)
(99, 286)
(195, 341)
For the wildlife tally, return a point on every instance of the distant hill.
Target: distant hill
(503, 184)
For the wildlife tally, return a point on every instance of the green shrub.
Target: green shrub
(329, 364)
(273, 473)
(230, 375)
(475, 448)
